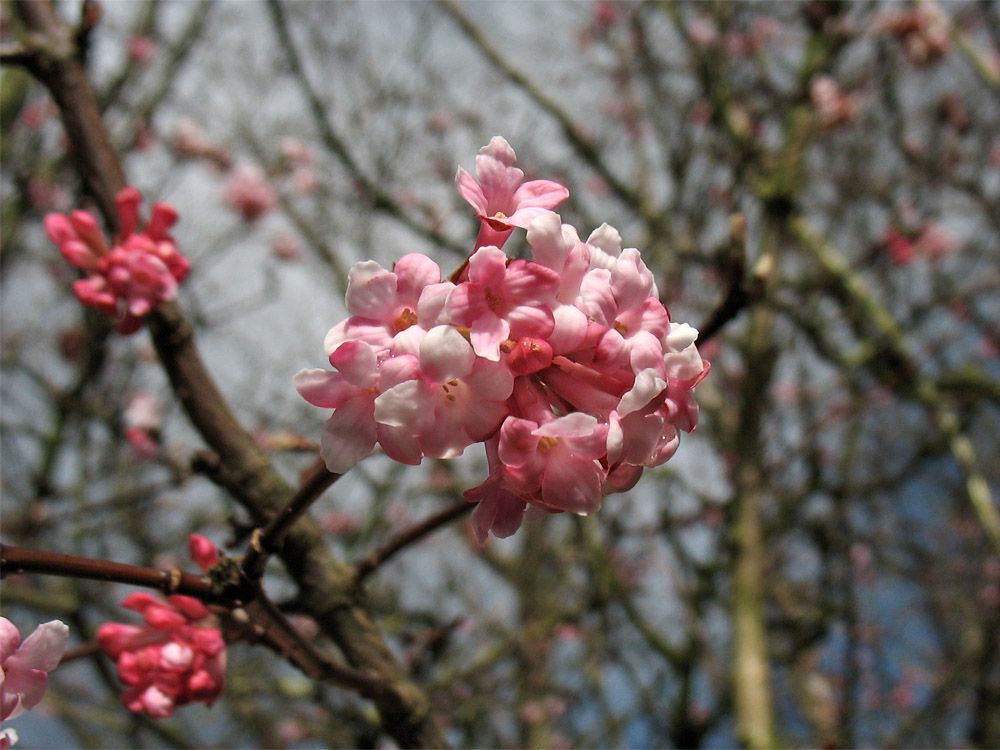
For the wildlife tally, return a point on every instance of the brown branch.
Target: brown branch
(269, 539)
(53, 60)
(17, 560)
(406, 537)
(326, 584)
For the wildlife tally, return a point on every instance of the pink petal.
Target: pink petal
(349, 436)
(357, 362)
(488, 267)
(415, 271)
(371, 291)
(499, 149)
(44, 648)
(518, 443)
(9, 639)
(399, 444)
(630, 280)
(544, 194)
(467, 303)
(445, 355)
(499, 182)
(647, 386)
(529, 283)
(501, 513)
(573, 486)
(487, 332)
(372, 332)
(470, 190)
(403, 405)
(323, 388)
(431, 307)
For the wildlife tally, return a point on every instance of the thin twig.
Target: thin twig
(370, 563)
(269, 539)
(17, 560)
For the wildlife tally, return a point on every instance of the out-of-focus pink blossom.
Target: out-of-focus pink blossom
(923, 29)
(566, 366)
(929, 242)
(189, 142)
(141, 49)
(128, 278)
(304, 181)
(934, 242)
(26, 665)
(832, 106)
(440, 121)
(703, 31)
(296, 153)
(503, 201)
(249, 193)
(177, 657)
(899, 246)
(286, 247)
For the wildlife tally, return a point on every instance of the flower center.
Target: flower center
(493, 299)
(546, 444)
(406, 319)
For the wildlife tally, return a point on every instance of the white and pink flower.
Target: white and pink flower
(567, 366)
(503, 201)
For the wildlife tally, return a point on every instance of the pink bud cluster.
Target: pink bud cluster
(137, 272)
(177, 657)
(566, 366)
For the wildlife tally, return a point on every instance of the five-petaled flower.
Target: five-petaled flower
(503, 201)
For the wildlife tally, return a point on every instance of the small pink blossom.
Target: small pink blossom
(141, 49)
(25, 665)
(501, 300)
(297, 153)
(503, 201)
(249, 193)
(899, 246)
(832, 106)
(934, 242)
(923, 29)
(286, 247)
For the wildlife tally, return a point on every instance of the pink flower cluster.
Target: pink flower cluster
(139, 271)
(567, 366)
(25, 667)
(177, 657)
